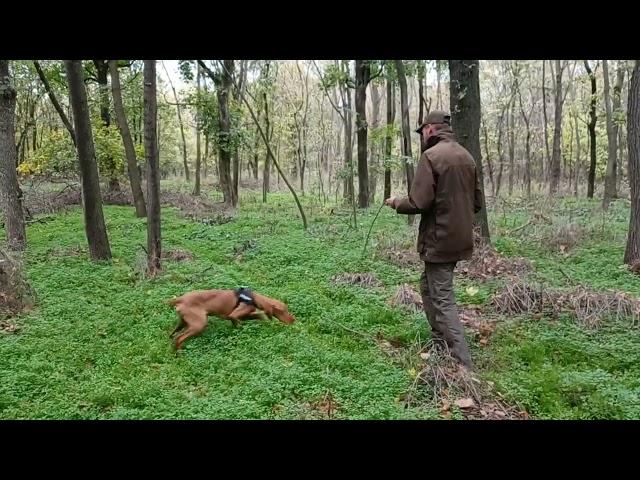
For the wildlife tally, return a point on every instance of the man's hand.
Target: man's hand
(391, 202)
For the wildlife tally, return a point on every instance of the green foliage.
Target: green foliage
(56, 155)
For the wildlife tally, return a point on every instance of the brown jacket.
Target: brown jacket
(446, 192)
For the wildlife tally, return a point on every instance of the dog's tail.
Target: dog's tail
(172, 301)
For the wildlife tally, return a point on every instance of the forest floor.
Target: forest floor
(551, 318)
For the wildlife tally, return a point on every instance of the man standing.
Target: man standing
(445, 191)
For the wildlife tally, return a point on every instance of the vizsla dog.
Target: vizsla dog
(235, 305)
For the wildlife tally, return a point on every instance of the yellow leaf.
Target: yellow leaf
(412, 372)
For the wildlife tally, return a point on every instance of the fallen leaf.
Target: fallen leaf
(464, 403)
(446, 406)
(424, 356)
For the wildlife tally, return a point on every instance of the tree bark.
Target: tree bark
(94, 225)
(154, 238)
(10, 194)
(129, 150)
(632, 251)
(465, 120)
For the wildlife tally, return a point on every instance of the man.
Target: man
(445, 191)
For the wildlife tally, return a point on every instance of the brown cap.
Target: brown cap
(435, 117)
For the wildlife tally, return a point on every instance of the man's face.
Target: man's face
(427, 132)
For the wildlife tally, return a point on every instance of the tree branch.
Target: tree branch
(54, 101)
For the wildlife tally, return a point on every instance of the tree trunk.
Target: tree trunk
(181, 125)
(500, 153)
(223, 91)
(527, 166)
(593, 118)
(94, 225)
(554, 184)
(546, 120)
(632, 252)
(363, 74)
(374, 151)
(267, 164)
(10, 194)
(406, 130)
(102, 74)
(391, 115)
(578, 156)
(465, 120)
(421, 73)
(196, 187)
(512, 143)
(612, 147)
(488, 154)
(129, 150)
(154, 239)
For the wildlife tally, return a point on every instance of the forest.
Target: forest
(125, 183)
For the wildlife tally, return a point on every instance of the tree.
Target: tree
(94, 225)
(223, 81)
(465, 120)
(125, 133)
(557, 132)
(196, 187)
(54, 100)
(102, 78)
(593, 118)
(185, 162)
(406, 130)
(610, 182)
(632, 252)
(363, 76)
(11, 196)
(154, 240)
(391, 115)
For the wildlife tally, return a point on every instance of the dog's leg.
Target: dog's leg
(181, 324)
(240, 312)
(196, 323)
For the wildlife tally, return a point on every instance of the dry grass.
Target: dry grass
(407, 297)
(588, 307)
(362, 279)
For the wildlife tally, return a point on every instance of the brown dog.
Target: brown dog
(194, 307)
